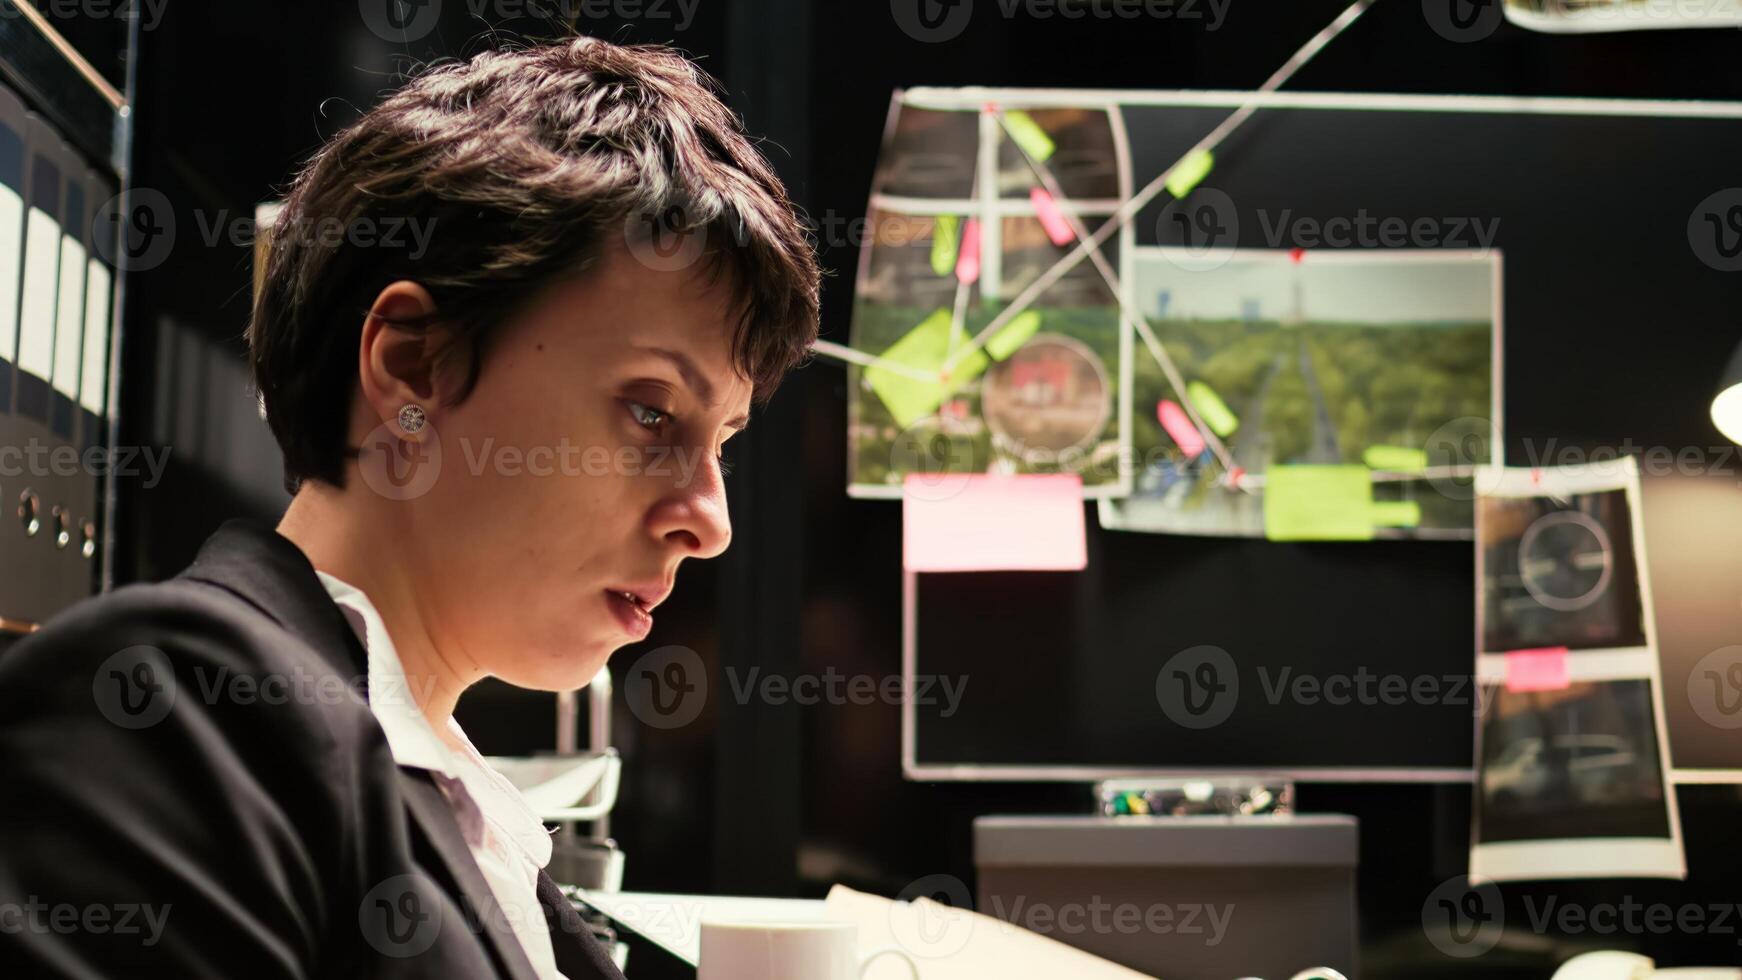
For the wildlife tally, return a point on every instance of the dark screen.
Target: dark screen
(1336, 656)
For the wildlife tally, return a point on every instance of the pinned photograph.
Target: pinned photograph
(1572, 750)
(1573, 785)
(1592, 16)
(1560, 572)
(1328, 396)
(969, 354)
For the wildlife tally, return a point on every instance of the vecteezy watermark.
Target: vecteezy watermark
(668, 688)
(838, 690)
(135, 687)
(1456, 451)
(1631, 917)
(134, 231)
(1462, 21)
(407, 21)
(403, 469)
(935, 21)
(39, 459)
(1204, 226)
(932, 919)
(1466, 920)
(137, 230)
(1199, 688)
(399, 468)
(405, 234)
(1461, 453)
(35, 917)
(149, 13)
(1100, 917)
(1463, 920)
(667, 240)
(1651, 460)
(1715, 230)
(401, 916)
(1285, 229)
(572, 459)
(138, 687)
(1715, 688)
(404, 915)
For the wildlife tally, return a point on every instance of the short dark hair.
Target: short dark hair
(520, 166)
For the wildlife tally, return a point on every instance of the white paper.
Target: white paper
(11, 269)
(99, 308)
(959, 944)
(36, 322)
(69, 316)
(674, 922)
(1593, 16)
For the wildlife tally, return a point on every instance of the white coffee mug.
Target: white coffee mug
(819, 950)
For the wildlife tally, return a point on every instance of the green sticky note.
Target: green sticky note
(1318, 503)
(946, 241)
(1190, 173)
(1014, 334)
(925, 347)
(1214, 411)
(1395, 459)
(1028, 135)
(1396, 513)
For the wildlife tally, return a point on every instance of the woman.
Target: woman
(502, 436)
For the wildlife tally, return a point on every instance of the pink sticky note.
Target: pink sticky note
(983, 523)
(1050, 217)
(1537, 670)
(968, 259)
(1179, 427)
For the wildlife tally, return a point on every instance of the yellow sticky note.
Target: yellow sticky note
(1396, 513)
(1318, 503)
(1190, 173)
(1014, 334)
(946, 238)
(1028, 135)
(1212, 409)
(1395, 459)
(925, 347)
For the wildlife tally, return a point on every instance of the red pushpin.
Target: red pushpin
(1296, 254)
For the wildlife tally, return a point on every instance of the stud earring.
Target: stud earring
(412, 419)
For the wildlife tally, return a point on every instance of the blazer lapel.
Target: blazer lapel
(430, 809)
(271, 573)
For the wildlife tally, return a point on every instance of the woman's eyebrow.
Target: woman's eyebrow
(686, 368)
(698, 382)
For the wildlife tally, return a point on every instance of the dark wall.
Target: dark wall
(758, 798)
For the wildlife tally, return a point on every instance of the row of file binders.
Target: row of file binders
(58, 242)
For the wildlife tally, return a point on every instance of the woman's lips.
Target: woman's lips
(631, 615)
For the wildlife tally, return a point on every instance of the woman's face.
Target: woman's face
(580, 472)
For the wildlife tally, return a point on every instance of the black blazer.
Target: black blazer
(194, 786)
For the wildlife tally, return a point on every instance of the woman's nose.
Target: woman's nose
(693, 520)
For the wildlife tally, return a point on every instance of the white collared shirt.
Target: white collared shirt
(505, 836)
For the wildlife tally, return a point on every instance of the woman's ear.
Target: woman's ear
(397, 365)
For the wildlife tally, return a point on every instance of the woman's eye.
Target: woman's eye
(650, 418)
